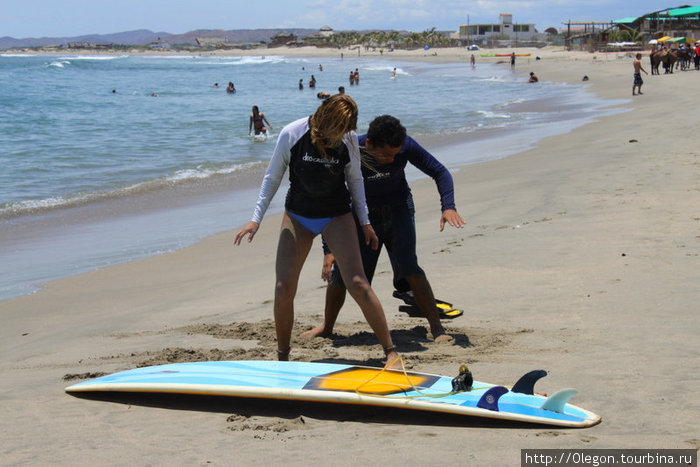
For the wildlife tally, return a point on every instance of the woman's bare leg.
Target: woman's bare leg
(293, 248)
(341, 235)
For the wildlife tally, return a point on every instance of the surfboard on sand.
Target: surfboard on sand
(349, 384)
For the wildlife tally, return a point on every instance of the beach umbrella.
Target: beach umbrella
(653, 41)
(665, 39)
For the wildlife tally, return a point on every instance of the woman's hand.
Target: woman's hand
(250, 229)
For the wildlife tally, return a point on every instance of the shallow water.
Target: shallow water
(93, 177)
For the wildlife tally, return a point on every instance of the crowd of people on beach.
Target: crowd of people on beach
(671, 56)
(668, 55)
(257, 118)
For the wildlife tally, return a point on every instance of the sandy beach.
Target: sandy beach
(580, 257)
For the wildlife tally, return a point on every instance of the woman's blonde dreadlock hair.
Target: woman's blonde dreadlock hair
(336, 116)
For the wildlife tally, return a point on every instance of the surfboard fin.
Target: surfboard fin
(557, 401)
(526, 383)
(489, 400)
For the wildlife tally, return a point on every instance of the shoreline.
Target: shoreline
(580, 257)
(176, 202)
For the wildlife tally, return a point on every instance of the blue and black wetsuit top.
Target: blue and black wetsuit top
(387, 184)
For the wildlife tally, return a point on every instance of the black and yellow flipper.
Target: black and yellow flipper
(446, 310)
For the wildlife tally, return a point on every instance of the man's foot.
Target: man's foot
(316, 332)
(444, 339)
(640, 93)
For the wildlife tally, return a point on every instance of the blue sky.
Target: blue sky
(65, 18)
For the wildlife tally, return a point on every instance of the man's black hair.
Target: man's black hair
(386, 130)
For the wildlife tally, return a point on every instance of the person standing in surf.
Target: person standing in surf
(256, 122)
(322, 154)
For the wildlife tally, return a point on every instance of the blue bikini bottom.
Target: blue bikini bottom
(315, 226)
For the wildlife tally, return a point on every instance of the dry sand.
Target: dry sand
(580, 257)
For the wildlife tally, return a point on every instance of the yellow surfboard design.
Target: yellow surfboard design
(370, 381)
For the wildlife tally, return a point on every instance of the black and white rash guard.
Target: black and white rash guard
(318, 187)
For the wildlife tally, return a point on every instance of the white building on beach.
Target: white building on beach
(504, 29)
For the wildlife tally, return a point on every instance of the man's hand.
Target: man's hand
(371, 238)
(451, 217)
(327, 269)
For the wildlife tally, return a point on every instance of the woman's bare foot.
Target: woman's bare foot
(393, 359)
(283, 355)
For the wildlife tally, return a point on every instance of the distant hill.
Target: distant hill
(145, 37)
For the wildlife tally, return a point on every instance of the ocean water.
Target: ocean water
(106, 159)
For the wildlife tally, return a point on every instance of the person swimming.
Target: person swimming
(231, 89)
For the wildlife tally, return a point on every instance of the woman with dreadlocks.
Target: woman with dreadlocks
(322, 154)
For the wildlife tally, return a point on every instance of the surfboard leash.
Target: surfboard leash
(461, 383)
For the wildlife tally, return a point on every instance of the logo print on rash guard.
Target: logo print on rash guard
(320, 160)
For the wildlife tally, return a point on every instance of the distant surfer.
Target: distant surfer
(386, 150)
(256, 122)
(322, 155)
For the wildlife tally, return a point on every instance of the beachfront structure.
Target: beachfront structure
(504, 29)
(634, 32)
(682, 21)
